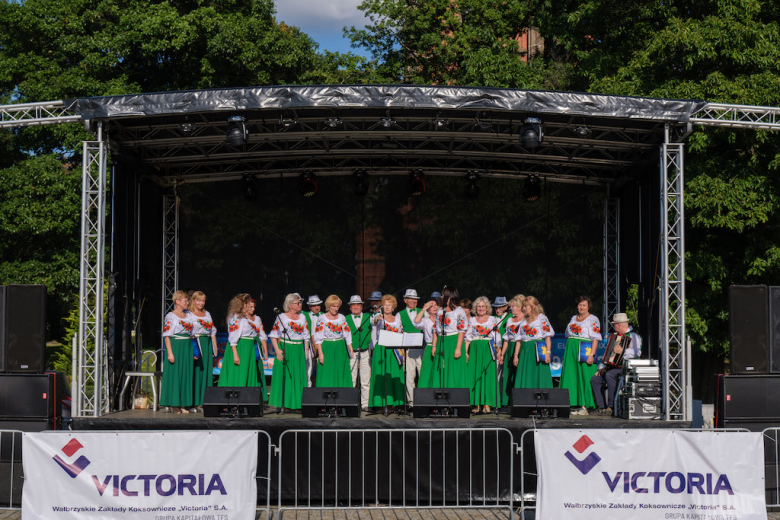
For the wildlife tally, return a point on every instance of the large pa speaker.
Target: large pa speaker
(748, 328)
(774, 329)
(330, 402)
(540, 402)
(22, 328)
(747, 399)
(31, 396)
(232, 401)
(442, 402)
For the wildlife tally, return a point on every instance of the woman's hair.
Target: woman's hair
(517, 301)
(486, 301)
(197, 295)
(583, 298)
(389, 298)
(465, 303)
(178, 295)
(450, 295)
(332, 300)
(536, 307)
(437, 300)
(289, 299)
(236, 305)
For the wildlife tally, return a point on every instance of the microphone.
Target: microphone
(277, 311)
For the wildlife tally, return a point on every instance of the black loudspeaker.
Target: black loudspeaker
(31, 396)
(748, 328)
(540, 402)
(442, 402)
(22, 328)
(774, 329)
(232, 401)
(747, 399)
(330, 402)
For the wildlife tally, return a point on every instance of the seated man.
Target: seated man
(608, 374)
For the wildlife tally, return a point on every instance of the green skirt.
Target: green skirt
(482, 374)
(531, 374)
(204, 368)
(509, 374)
(430, 369)
(575, 376)
(248, 373)
(177, 376)
(386, 370)
(336, 371)
(455, 371)
(289, 376)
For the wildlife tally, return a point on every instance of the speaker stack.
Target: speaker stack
(748, 397)
(330, 402)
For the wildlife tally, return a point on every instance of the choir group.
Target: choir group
(488, 348)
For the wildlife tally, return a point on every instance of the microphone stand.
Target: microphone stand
(384, 364)
(359, 378)
(495, 362)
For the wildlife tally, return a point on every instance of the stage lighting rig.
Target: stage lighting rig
(186, 128)
(387, 121)
(237, 131)
(287, 121)
(307, 184)
(250, 193)
(416, 182)
(361, 182)
(483, 125)
(531, 134)
(333, 122)
(439, 123)
(533, 188)
(583, 131)
(472, 190)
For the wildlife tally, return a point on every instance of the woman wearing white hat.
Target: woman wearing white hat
(290, 337)
(333, 338)
(583, 334)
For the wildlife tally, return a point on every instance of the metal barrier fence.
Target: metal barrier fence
(388, 469)
(772, 467)
(11, 476)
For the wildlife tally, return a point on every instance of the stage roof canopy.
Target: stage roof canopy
(385, 130)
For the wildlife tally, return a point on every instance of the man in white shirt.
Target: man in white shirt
(359, 323)
(607, 375)
(413, 355)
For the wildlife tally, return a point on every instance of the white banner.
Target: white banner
(650, 474)
(207, 475)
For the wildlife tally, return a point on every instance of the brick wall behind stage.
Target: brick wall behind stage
(370, 266)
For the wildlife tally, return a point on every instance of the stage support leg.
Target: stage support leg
(89, 388)
(611, 261)
(675, 353)
(170, 246)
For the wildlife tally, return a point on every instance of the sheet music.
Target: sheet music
(391, 339)
(413, 340)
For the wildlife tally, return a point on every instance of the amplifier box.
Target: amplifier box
(232, 401)
(540, 402)
(643, 389)
(641, 407)
(441, 403)
(330, 402)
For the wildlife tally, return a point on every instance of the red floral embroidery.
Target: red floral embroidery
(297, 328)
(232, 326)
(545, 326)
(529, 331)
(514, 329)
(187, 325)
(318, 328)
(254, 327)
(391, 328)
(167, 326)
(575, 329)
(346, 328)
(461, 324)
(205, 324)
(482, 331)
(596, 328)
(334, 327)
(447, 321)
(275, 327)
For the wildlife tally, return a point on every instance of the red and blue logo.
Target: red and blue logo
(589, 462)
(75, 468)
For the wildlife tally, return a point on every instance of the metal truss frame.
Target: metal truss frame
(738, 116)
(91, 386)
(675, 350)
(170, 246)
(611, 260)
(32, 114)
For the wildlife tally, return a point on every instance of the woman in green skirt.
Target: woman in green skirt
(533, 367)
(430, 369)
(450, 337)
(241, 365)
(512, 337)
(481, 356)
(290, 337)
(333, 344)
(582, 334)
(387, 371)
(176, 390)
(205, 334)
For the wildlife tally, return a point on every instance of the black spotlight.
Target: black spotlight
(307, 183)
(250, 193)
(439, 123)
(186, 128)
(485, 124)
(287, 121)
(533, 188)
(361, 183)
(387, 122)
(472, 190)
(531, 132)
(237, 131)
(416, 182)
(333, 122)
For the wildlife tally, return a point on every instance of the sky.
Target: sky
(323, 21)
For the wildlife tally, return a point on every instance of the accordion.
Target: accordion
(611, 358)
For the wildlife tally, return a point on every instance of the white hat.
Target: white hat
(376, 295)
(411, 293)
(500, 301)
(620, 317)
(314, 300)
(355, 299)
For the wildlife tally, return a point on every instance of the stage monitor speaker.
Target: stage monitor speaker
(540, 402)
(774, 329)
(23, 328)
(30, 396)
(330, 402)
(748, 328)
(750, 398)
(442, 402)
(232, 401)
